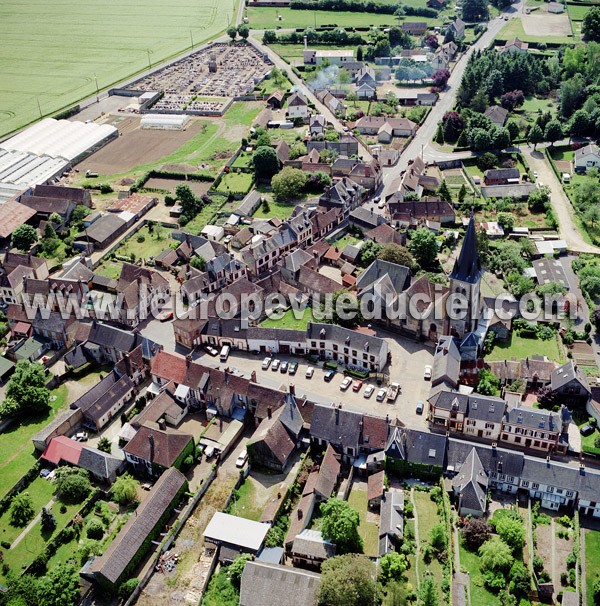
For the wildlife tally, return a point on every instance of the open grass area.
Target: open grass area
(71, 46)
(292, 52)
(204, 217)
(289, 320)
(109, 269)
(592, 562)
(281, 210)
(152, 244)
(267, 18)
(346, 239)
(519, 348)
(535, 104)
(369, 531)
(577, 12)
(514, 29)
(469, 560)
(244, 505)
(17, 454)
(236, 183)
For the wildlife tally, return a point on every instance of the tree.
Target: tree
(507, 220)
(236, 568)
(519, 285)
(72, 484)
(232, 32)
(243, 30)
(423, 246)
(48, 520)
(340, 525)
(488, 384)
(359, 53)
(392, 566)
(198, 263)
(94, 529)
(495, 555)
(428, 593)
(289, 184)
(60, 587)
(440, 78)
(500, 138)
(128, 587)
(580, 123)
(535, 135)
(394, 253)
(125, 490)
(21, 509)
(512, 99)
(432, 41)
(265, 162)
(487, 161)
(596, 318)
(453, 125)
(476, 532)
(475, 10)
(105, 445)
(190, 204)
(591, 216)
(297, 150)
(438, 538)
(546, 396)
(513, 129)
(590, 27)
(462, 194)
(511, 531)
(597, 592)
(347, 580)
(553, 131)
(347, 304)
(520, 580)
(269, 37)
(369, 251)
(444, 192)
(24, 237)
(27, 387)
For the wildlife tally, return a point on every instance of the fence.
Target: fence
(181, 520)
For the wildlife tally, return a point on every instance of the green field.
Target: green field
(289, 320)
(577, 12)
(514, 29)
(267, 18)
(519, 348)
(592, 562)
(52, 53)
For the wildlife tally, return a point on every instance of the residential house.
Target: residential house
(470, 486)
(514, 46)
(416, 213)
(153, 450)
(375, 488)
(415, 453)
(316, 125)
(316, 284)
(273, 584)
(401, 127)
(344, 195)
(484, 416)
(338, 57)
(391, 521)
(446, 363)
(457, 29)
(332, 103)
(14, 270)
(587, 157)
(497, 116)
(265, 254)
(414, 28)
(554, 484)
(365, 219)
(570, 384)
(52, 325)
(275, 99)
(310, 549)
(134, 539)
(297, 107)
(338, 427)
(385, 234)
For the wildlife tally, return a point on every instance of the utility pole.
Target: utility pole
(97, 89)
(149, 62)
(39, 107)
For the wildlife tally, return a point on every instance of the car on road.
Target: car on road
(427, 372)
(381, 395)
(266, 363)
(284, 367)
(293, 368)
(356, 386)
(242, 458)
(329, 374)
(369, 389)
(275, 364)
(81, 436)
(310, 371)
(420, 407)
(345, 383)
(211, 350)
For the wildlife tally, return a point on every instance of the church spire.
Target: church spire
(467, 268)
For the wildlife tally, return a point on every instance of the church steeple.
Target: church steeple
(467, 268)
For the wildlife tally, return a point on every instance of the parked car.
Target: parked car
(535, 174)
(369, 389)
(284, 366)
(329, 374)
(266, 363)
(81, 436)
(357, 385)
(420, 407)
(146, 486)
(45, 473)
(211, 350)
(275, 364)
(345, 383)
(293, 368)
(209, 451)
(586, 430)
(310, 371)
(242, 458)
(381, 395)
(427, 373)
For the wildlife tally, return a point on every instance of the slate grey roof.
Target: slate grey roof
(568, 372)
(77, 357)
(486, 408)
(338, 427)
(105, 228)
(276, 585)
(467, 267)
(311, 543)
(391, 523)
(451, 400)
(550, 270)
(379, 269)
(589, 484)
(100, 464)
(494, 460)
(471, 483)
(534, 418)
(290, 416)
(338, 334)
(417, 446)
(275, 334)
(364, 216)
(446, 361)
(550, 473)
(131, 537)
(111, 337)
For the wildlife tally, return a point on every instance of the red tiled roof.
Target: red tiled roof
(375, 429)
(375, 485)
(169, 366)
(22, 327)
(63, 449)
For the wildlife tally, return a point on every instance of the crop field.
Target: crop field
(53, 53)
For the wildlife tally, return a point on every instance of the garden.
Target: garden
(592, 565)
(368, 529)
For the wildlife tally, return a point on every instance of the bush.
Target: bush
(94, 529)
(128, 587)
(140, 239)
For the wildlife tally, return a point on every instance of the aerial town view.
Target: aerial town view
(300, 303)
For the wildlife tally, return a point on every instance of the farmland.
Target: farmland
(67, 49)
(267, 18)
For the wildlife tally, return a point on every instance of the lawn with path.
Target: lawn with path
(17, 453)
(469, 560)
(72, 48)
(152, 244)
(519, 348)
(289, 320)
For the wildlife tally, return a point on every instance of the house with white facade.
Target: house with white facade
(587, 157)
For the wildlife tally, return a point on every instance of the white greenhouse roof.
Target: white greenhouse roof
(225, 528)
(164, 121)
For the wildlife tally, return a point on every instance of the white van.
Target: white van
(225, 350)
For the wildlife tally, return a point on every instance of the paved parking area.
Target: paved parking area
(408, 362)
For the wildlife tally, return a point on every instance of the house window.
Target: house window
(517, 439)
(569, 493)
(535, 485)
(489, 425)
(510, 479)
(335, 347)
(525, 483)
(550, 488)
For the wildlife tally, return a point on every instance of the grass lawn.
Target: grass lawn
(96, 39)
(290, 52)
(369, 531)
(289, 320)
(342, 242)
(474, 171)
(221, 591)
(577, 12)
(479, 594)
(514, 29)
(109, 269)
(17, 454)
(242, 113)
(152, 245)
(205, 216)
(244, 160)
(534, 104)
(267, 18)
(281, 210)
(592, 562)
(519, 348)
(245, 506)
(236, 183)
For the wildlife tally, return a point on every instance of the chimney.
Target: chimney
(162, 424)
(188, 360)
(253, 376)
(151, 442)
(269, 412)
(292, 389)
